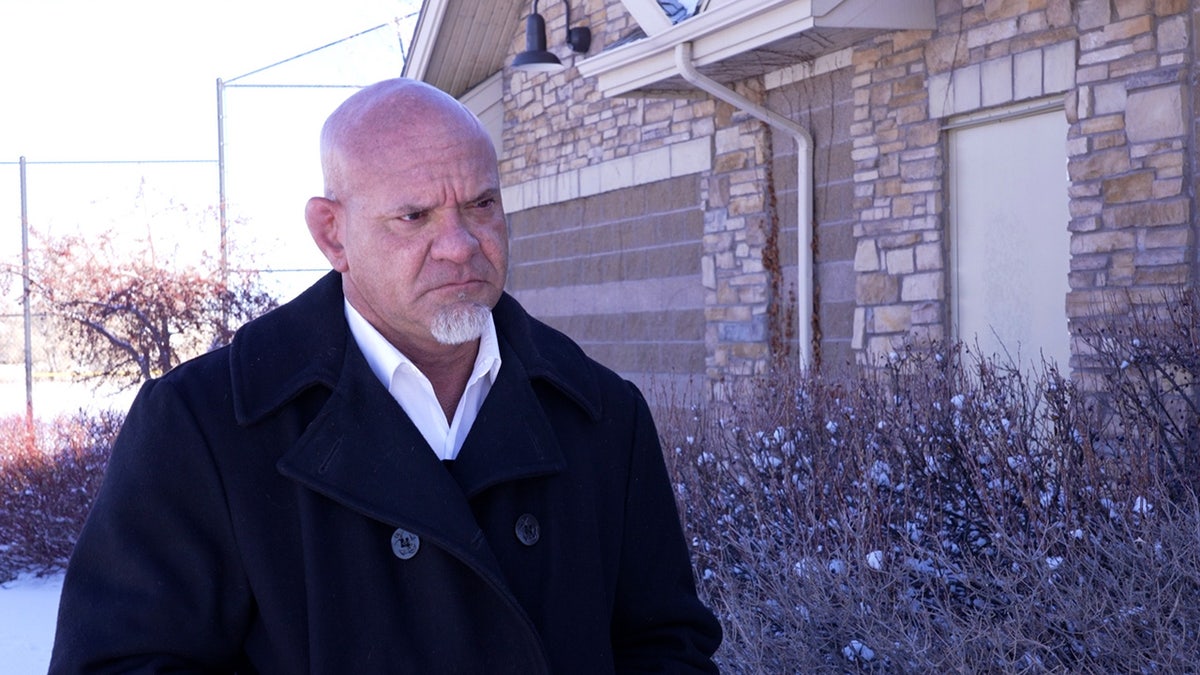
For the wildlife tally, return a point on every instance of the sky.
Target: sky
(92, 90)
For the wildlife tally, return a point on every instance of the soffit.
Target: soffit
(460, 43)
(738, 39)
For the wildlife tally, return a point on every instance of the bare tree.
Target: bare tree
(126, 318)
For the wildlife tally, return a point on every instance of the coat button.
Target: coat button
(528, 530)
(405, 544)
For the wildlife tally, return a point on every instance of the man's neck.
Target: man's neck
(448, 368)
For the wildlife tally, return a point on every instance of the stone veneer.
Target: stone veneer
(620, 272)
(1131, 137)
(1121, 71)
(822, 103)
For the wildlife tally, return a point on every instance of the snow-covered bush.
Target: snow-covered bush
(940, 513)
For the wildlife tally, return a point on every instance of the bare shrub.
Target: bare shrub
(49, 475)
(1150, 361)
(943, 513)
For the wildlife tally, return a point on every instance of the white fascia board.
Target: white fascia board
(738, 26)
(484, 100)
(648, 15)
(485, 94)
(726, 30)
(429, 25)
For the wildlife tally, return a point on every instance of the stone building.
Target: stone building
(752, 183)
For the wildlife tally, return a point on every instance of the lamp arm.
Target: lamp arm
(579, 39)
(567, 4)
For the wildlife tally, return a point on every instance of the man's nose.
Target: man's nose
(454, 239)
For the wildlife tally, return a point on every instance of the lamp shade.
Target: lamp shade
(535, 57)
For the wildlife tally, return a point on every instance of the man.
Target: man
(397, 472)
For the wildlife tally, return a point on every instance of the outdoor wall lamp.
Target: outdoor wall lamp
(535, 58)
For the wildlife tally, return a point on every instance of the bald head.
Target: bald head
(392, 115)
(413, 216)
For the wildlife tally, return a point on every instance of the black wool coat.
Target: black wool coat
(269, 508)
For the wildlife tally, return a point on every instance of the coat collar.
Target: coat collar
(361, 450)
(302, 344)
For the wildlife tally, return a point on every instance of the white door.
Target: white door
(1011, 246)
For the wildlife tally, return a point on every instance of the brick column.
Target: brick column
(735, 281)
(1130, 154)
(900, 259)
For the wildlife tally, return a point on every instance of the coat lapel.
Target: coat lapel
(361, 449)
(511, 438)
(363, 452)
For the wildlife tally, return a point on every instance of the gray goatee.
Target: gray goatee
(460, 323)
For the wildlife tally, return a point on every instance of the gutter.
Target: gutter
(804, 188)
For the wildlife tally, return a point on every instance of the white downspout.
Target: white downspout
(804, 188)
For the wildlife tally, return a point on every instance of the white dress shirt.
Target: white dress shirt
(413, 391)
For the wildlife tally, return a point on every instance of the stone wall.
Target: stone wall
(1120, 72)
(618, 271)
(1131, 151)
(900, 256)
(824, 105)
(605, 203)
(559, 122)
(1124, 70)
(564, 145)
(737, 218)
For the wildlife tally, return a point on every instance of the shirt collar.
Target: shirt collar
(383, 357)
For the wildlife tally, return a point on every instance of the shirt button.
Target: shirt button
(528, 530)
(405, 544)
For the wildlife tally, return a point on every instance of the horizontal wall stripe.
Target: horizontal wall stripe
(669, 161)
(615, 297)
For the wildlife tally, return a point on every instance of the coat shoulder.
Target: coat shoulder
(550, 355)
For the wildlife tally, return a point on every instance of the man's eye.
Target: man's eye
(485, 203)
(413, 217)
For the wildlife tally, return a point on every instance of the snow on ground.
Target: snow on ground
(28, 607)
(29, 604)
(52, 398)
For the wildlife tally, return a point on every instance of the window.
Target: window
(1010, 242)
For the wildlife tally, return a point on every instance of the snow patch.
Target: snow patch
(28, 611)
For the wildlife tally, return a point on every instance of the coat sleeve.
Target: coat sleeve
(154, 583)
(659, 623)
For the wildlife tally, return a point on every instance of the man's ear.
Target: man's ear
(325, 226)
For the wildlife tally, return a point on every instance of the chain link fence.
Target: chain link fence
(263, 167)
(165, 206)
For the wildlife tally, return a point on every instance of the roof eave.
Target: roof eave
(737, 27)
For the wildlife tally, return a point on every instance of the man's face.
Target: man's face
(422, 231)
